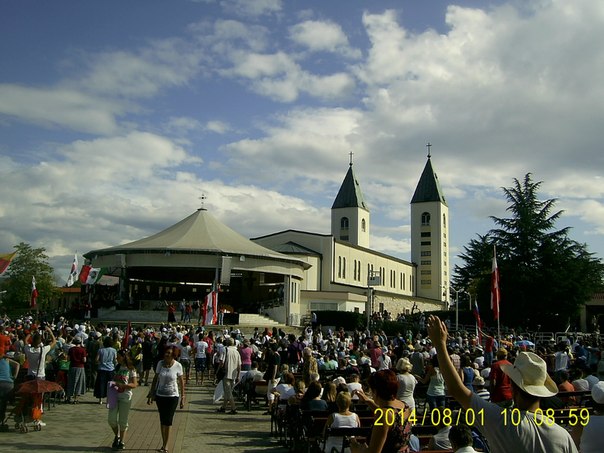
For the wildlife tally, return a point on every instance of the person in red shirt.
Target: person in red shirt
(501, 386)
(76, 382)
(5, 344)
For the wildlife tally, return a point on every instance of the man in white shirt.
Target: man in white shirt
(36, 353)
(232, 371)
(504, 431)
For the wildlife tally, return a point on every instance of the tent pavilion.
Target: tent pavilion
(182, 262)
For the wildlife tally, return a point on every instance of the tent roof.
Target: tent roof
(200, 232)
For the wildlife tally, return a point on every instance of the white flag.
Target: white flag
(73, 273)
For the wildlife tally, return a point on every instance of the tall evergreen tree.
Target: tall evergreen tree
(545, 277)
(28, 262)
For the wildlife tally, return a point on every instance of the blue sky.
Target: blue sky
(115, 117)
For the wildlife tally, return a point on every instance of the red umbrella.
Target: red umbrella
(39, 386)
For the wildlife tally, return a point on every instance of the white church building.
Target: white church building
(344, 269)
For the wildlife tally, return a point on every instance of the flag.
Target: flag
(478, 322)
(495, 286)
(5, 259)
(90, 275)
(34, 293)
(73, 273)
(127, 336)
(210, 306)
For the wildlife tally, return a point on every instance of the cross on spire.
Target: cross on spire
(202, 199)
(350, 154)
(429, 145)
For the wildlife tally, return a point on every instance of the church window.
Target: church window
(444, 221)
(428, 272)
(426, 253)
(426, 219)
(339, 266)
(344, 223)
(426, 262)
(426, 282)
(426, 234)
(426, 242)
(344, 267)
(363, 226)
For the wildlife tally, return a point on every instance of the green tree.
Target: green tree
(28, 262)
(545, 277)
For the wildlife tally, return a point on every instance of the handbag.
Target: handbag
(220, 374)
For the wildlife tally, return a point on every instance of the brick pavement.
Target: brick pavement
(197, 428)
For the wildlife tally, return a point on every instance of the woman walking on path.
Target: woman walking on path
(168, 385)
(76, 382)
(106, 359)
(125, 378)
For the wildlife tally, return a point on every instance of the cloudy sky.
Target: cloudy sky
(116, 117)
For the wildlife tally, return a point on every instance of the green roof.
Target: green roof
(350, 195)
(428, 188)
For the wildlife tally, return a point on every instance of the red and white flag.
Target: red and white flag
(210, 309)
(34, 293)
(126, 339)
(73, 273)
(478, 322)
(495, 295)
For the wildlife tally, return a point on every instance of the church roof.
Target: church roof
(291, 247)
(428, 187)
(350, 195)
(200, 232)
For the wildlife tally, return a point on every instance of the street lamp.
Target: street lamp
(470, 296)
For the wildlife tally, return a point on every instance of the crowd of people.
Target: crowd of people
(322, 370)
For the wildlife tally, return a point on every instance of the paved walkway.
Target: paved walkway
(197, 428)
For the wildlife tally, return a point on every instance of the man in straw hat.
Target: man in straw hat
(524, 430)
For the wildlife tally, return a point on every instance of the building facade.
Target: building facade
(345, 274)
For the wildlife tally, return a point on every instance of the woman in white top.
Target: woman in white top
(406, 382)
(168, 385)
(285, 388)
(341, 419)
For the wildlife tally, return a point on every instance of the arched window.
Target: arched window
(344, 222)
(363, 225)
(426, 219)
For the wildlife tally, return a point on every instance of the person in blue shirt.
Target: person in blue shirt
(9, 369)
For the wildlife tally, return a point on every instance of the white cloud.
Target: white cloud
(295, 144)
(255, 8)
(218, 127)
(324, 36)
(60, 107)
(182, 125)
(279, 77)
(162, 63)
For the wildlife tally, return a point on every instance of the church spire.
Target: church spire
(428, 187)
(350, 195)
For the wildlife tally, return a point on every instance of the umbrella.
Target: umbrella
(39, 386)
(526, 343)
